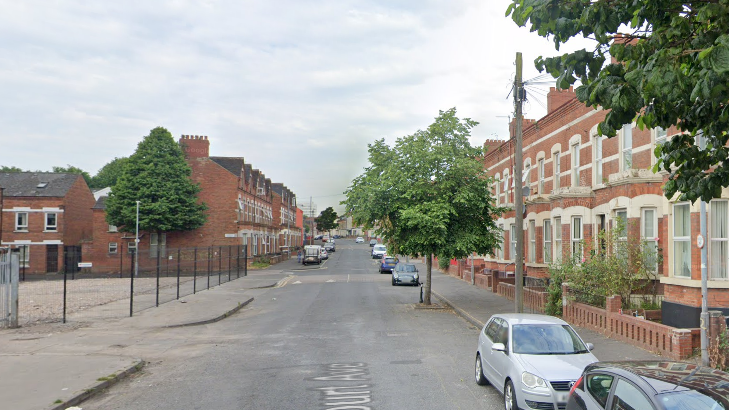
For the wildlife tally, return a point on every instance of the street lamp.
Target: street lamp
(136, 245)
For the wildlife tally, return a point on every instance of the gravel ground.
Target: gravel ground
(42, 301)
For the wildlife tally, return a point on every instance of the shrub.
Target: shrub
(443, 263)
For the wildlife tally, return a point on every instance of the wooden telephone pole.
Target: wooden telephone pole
(518, 190)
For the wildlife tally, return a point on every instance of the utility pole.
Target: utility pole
(518, 193)
(311, 221)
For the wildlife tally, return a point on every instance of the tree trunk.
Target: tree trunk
(428, 270)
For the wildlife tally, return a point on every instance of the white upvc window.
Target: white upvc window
(131, 247)
(497, 193)
(24, 255)
(626, 140)
(113, 228)
(51, 222)
(577, 238)
(506, 186)
(540, 170)
(700, 140)
(598, 159)
(21, 221)
(532, 242)
(558, 239)
(157, 242)
(113, 247)
(649, 235)
(621, 224)
(557, 170)
(682, 240)
(575, 164)
(661, 136)
(526, 179)
(719, 250)
(547, 233)
(512, 238)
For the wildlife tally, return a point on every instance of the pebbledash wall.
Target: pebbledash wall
(581, 183)
(244, 208)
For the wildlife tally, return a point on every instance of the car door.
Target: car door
(501, 360)
(487, 340)
(595, 393)
(627, 396)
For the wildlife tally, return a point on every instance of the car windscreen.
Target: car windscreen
(692, 399)
(546, 339)
(380, 248)
(405, 268)
(389, 260)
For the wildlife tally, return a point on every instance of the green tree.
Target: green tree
(327, 220)
(70, 169)
(158, 177)
(428, 195)
(671, 69)
(6, 168)
(109, 173)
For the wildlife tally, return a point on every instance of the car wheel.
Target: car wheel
(510, 397)
(393, 282)
(480, 378)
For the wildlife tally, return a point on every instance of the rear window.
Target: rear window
(389, 260)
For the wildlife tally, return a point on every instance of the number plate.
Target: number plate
(562, 397)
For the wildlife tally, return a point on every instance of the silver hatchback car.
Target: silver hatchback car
(533, 360)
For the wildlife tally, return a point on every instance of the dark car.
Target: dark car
(387, 264)
(405, 274)
(650, 385)
(373, 242)
(330, 247)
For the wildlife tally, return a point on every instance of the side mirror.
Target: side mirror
(590, 346)
(498, 347)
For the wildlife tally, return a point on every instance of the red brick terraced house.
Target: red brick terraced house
(46, 216)
(284, 212)
(580, 183)
(240, 203)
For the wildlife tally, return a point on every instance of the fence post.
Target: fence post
(245, 261)
(14, 283)
(65, 278)
(157, 290)
(178, 273)
(131, 286)
(194, 274)
(210, 251)
(237, 262)
(220, 265)
(230, 264)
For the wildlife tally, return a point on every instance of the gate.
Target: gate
(71, 258)
(8, 289)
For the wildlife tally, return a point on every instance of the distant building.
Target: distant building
(45, 216)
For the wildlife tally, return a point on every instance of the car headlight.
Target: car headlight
(395, 275)
(533, 381)
(415, 276)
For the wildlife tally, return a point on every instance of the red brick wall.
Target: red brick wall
(77, 224)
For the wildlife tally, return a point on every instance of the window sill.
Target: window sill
(47, 231)
(21, 231)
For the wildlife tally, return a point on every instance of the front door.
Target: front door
(51, 258)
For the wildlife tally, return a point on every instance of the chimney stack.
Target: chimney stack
(195, 146)
(557, 98)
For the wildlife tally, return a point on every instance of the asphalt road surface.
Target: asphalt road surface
(336, 336)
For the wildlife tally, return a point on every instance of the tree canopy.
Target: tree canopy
(428, 194)
(670, 68)
(109, 173)
(327, 219)
(157, 176)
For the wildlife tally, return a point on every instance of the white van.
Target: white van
(312, 254)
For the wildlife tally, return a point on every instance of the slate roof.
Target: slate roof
(36, 184)
(100, 203)
(234, 165)
(278, 188)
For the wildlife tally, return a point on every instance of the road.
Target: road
(336, 336)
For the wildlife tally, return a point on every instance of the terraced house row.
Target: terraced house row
(581, 183)
(55, 221)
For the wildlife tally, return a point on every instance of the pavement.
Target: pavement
(57, 366)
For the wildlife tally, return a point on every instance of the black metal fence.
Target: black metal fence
(152, 278)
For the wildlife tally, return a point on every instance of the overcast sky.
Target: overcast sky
(297, 88)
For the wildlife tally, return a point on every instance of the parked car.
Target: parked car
(330, 246)
(336, 237)
(312, 254)
(532, 360)
(359, 240)
(318, 237)
(650, 385)
(378, 251)
(387, 264)
(405, 274)
(373, 242)
(324, 254)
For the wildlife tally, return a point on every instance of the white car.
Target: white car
(532, 360)
(359, 240)
(379, 251)
(324, 254)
